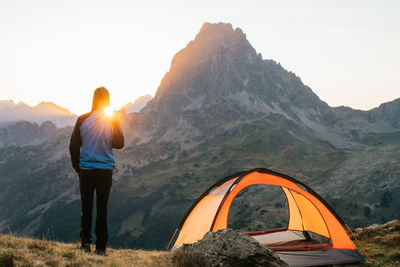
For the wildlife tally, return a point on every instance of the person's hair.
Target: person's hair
(101, 99)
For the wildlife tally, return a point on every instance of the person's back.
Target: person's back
(97, 141)
(95, 135)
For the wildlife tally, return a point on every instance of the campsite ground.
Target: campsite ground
(381, 242)
(33, 252)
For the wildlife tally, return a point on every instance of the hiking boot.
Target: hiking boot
(101, 252)
(85, 247)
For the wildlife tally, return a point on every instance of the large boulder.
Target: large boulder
(226, 248)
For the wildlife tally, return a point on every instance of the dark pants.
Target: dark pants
(90, 181)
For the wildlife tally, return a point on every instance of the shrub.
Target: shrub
(6, 258)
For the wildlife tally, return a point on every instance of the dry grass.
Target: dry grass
(382, 244)
(33, 252)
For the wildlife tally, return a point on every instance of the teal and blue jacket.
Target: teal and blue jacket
(92, 141)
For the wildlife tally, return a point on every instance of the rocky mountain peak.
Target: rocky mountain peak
(215, 50)
(220, 33)
(220, 77)
(219, 74)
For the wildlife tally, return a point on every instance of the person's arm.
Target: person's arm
(118, 136)
(75, 146)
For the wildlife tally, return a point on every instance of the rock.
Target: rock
(376, 226)
(226, 248)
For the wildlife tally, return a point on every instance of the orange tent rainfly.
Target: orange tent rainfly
(315, 234)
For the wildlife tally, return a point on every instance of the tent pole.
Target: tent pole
(362, 248)
(169, 244)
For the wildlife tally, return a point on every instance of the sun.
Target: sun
(109, 111)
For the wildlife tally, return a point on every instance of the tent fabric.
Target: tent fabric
(295, 222)
(310, 216)
(201, 217)
(335, 230)
(289, 240)
(311, 219)
(320, 257)
(284, 238)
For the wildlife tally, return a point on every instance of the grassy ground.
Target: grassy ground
(33, 252)
(381, 242)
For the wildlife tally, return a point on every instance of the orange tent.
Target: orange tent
(315, 234)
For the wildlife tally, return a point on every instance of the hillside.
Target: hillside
(34, 252)
(20, 133)
(381, 242)
(220, 109)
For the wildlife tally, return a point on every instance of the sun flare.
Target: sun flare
(109, 111)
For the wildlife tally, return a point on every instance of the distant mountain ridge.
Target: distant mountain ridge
(6, 103)
(48, 111)
(137, 105)
(44, 111)
(220, 109)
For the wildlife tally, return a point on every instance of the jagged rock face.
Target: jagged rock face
(226, 248)
(218, 81)
(221, 62)
(216, 50)
(387, 112)
(358, 124)
(219, 76)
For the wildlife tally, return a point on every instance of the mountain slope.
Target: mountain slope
(220, 109)
(137, 105)
(24, 132)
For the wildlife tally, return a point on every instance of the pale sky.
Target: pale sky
(347, 51)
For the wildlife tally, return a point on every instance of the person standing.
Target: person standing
(91, 147)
